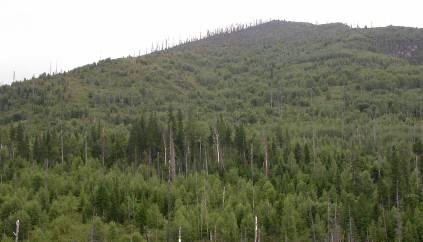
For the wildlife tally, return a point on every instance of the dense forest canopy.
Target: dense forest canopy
(280, 131)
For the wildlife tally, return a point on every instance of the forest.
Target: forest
(279, 131)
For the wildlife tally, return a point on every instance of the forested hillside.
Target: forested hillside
(280, 131)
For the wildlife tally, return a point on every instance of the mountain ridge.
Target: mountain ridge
(276, 132)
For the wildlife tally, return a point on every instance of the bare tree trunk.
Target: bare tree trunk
(200, 157)
(150, 162)
(61, 140)
(350, 235)
(251, 161)
(266, 157)
(172, 156)
(168, 204)
(206, 212)
(258, 234)
(187, 153)
(255, 230)
(314, 146)
(415, 163)
(16, 233)
(216, 139)
(102, 145)
(165, 149)
(398, 217)
(207, 165)
(158, 163)
(86, 148)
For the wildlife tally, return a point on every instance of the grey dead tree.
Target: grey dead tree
(252, 171)
(187, 154)
(102, 145)
(86, 144)
(199, 158)
(158, 163)
(61, 121)
(218, 154)
(251, 160)
(172, 161)
(206, 161)
(1, 147)
(165, 148)
(61, 141)
(343, 112)
(314, 144)
(256, 239)
(266, 157)
(332, 222)
(16, 233)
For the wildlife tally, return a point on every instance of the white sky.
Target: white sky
(35, 34)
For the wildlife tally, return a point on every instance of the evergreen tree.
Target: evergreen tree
(298, 153)
(307, 155)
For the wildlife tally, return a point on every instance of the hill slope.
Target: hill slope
(251, 69)
(315, 129)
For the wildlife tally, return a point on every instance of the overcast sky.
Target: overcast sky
(37, 34)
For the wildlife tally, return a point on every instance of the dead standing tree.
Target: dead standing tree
(16, 233)
(266, 157)
(218, 154)
(172, 158)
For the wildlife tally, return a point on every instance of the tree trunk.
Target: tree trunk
(216, 139)
(61, 140)
(172, 156)
(266, 158)
(102, 145)
(256, 230)
(86, 149)
(398, 217)
(350, 235)
(16, 233)
(251, 161)
(165, 149)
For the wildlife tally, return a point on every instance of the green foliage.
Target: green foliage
(336, 112)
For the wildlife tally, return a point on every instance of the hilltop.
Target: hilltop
(266, 67)
(315, 129)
